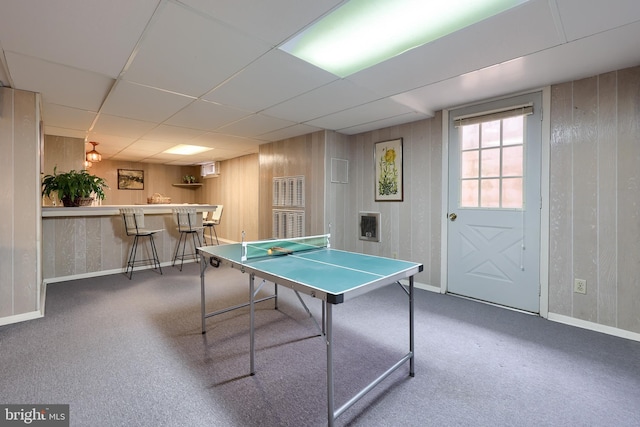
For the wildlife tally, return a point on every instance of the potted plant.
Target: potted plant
(74, 188)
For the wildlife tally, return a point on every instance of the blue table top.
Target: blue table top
(327, 270)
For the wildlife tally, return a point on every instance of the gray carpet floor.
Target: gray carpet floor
(131, 353)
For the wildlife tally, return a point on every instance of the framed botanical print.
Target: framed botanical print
(388, 171)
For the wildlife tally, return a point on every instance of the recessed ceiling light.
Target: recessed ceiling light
(185, 149)
(362, 33)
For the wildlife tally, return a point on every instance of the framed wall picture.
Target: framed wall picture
(130, 179)
(388, 171)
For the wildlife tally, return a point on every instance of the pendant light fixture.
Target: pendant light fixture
(93, 156)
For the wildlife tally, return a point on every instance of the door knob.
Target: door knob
(453, 216)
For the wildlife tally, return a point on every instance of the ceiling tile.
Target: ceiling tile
(153, 146)
(72, 133)
(120, 126)
(273, 78)
(172, 133)
(188, 53)
(289, 132)
(595, 16)
(59, 84)
(336, 96)
(272, 21)
(223, 141)
(143, 103)
(383, 123)
(66, 117)
(206, 116)
(254, 125)
(366, 113)
(78, 33)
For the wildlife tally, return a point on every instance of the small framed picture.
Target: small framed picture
(388, 171)
(130, 179)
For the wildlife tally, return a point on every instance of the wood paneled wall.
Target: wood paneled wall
(338, 198)
(237, 189)
(63, 153)
(157, 179)
(303, 155)
(410, 229)
(20, 201)
(595, 199)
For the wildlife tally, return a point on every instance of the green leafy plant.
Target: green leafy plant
(73, 185)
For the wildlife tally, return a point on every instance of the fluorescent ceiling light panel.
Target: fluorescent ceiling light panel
(186, 150)
(362, 33)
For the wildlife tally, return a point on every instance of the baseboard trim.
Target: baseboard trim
(554, 317)
(107, 272)
(23, 317)
(426, 287)
(584, 324)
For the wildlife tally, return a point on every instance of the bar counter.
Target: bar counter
(91, 241)
(102, 210)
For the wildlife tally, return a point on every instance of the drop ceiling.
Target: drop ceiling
(142, 76)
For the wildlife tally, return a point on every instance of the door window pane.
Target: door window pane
(491, 134)
(490, 163)
(490, 193)
(469, 193)
(512, 130)
(512, 161)
(470, 164)
(470, 137)
(512, 193)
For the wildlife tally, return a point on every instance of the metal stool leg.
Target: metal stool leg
(214, 230)
(194, 236)
(154, 251)
(183, 242)
(175, 256)
(132, 257)
(204, 235)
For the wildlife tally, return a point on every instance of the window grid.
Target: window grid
(492, 164)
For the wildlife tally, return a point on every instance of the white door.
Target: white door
(494, 202)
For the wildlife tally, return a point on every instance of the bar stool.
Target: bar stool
(134, 226)
(210, 220)
(187, 225)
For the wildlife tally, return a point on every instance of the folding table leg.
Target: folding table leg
(330, 388)
(252, 369)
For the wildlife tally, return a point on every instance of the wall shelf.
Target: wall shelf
(192, 186)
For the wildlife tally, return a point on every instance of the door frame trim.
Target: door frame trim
(544, 194)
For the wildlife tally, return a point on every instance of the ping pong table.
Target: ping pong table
(309, 265)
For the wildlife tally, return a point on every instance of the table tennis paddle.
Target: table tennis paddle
(277, 250)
